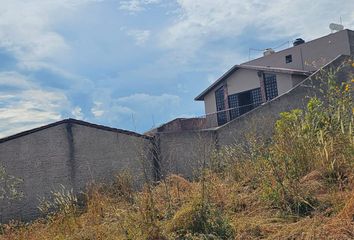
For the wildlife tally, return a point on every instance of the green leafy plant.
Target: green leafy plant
(198, 219)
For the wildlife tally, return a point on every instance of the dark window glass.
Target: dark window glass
(243, 102)
(288, 58)
(270, 84)
(233, 104)
(256, 97)
(220, 106)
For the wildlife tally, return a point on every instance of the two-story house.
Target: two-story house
(252, 83)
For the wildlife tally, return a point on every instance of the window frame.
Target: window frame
(270, 86)
(288, 58)
(221, 116)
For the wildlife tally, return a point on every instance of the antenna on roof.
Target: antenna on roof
(336, 27)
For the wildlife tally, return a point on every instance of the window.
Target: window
(243, 102)
(233, 104)
(288, 58)
(256, 97)
(220, 106)
(270, 85)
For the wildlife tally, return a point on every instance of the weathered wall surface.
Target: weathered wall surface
(41, 160)
(73, 155)
(351, 41)
(284, 82)
(184, 152)
(296, 79)
(209, 101)
(242, 80)
(262, 119)
(318, 52)
(99, 155)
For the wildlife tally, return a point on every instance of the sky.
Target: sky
(135, 64)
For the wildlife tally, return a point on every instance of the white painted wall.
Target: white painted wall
(239, 81)
(210, 103)
(244, 80)
(284, 83)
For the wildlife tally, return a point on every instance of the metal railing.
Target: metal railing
(221, 117)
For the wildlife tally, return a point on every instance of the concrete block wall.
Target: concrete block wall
(183, 153)
(260, 121)
(99, 155)
(351, 41)
(41, 160)
(70, 153)
(179, 151)
(74, 153)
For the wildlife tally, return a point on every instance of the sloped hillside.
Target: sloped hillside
(298, 185)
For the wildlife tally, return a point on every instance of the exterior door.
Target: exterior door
(245, 102)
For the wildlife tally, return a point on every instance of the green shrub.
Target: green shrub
(200, 221)
(319, 137)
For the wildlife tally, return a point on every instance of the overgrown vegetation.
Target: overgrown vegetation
(299, 185)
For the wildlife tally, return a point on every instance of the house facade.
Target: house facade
(246, 86)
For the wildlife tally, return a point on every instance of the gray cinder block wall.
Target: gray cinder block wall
(41, 161)
(180, 150)
(184, 153)
(351, 41)
(72, 153)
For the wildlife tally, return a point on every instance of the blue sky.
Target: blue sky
(134, 64)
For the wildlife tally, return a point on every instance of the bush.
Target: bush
(320, 137)
(200, 221)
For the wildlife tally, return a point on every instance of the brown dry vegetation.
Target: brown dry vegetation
(300, 185)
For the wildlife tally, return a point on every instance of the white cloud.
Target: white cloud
(121, 110)
(134, 6)
(76, 81)
(152, 101)
(13, 80)
(97, 110)
(26, 27)
(140, 36)
(77, 113)
(24, 105)
(147, 107)
(134, 110)
(204, 20)
(110, 109)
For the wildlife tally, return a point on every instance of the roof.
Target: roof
(73, 121)
(348, 31)
(201, 96)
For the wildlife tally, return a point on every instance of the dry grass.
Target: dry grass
(110, 216)
(299, 186)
